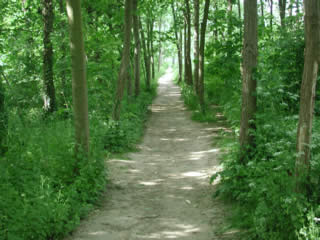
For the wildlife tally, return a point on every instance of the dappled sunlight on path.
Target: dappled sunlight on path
(163, 191)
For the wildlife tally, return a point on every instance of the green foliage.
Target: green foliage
(263, 188)
(41, 195)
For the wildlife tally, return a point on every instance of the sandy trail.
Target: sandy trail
(163, 191)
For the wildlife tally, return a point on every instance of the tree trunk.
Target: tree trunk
(188, 66)
(201, 56)
(151, 48)
(125, 60)
(49, 90)
(63, 48)
(249, 84)
(307, 94)
(271, 13)
(262, 12)
(282, 8)
(229, 20)
(146, 58)
(79, 82)
(3, 116)
(160, 45)
(185, 50)
(137, 49)
(180, 58)
(239, 12)
(178, 44)
(196, 45)
(129, 79)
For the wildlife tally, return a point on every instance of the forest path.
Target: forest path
(163, 191)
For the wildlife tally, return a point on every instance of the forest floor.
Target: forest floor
(163, 191)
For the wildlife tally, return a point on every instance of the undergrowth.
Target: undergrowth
(262, 189)
(45, 189)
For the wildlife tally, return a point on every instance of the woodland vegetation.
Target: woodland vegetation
(76, 79)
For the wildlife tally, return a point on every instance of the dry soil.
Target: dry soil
(163, 191)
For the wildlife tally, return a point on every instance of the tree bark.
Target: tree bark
(196, 46)
(125, 60)
(262, 12)
(79, 82)
(3, 116)
(146, 58)
(178, 43)
(249, 84)
(160, 45)
(282, 8)
(151, 48)
(188, 67)
(271, 13)
(185, 50)
(201, 55)
(239, 12)
(49, 96)
(63, 48)
(229, 20)
(307, 94)
(137, 50)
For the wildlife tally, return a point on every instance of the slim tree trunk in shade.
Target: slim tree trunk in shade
(196, 45)
(282, 8)
(201, 56)
(178, 41)
(262, 12)
(137, 49)
(188, 66)
(180, 58)
(271, 14)
(307, 94)
(63, 49)
(151, 48)
(129, 79)
(160, 45)
(185, 50)
(125, 60)
(3, 116)
(146, 58)
(249, 84)
(229, 15)
(239, 12)
(49, 97)
(79, 81)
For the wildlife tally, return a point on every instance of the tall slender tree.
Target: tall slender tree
(282, 8)
(146, 57)
(125, 60)
(188, 66)
(49, 96)
(137, 49)
(79, 81)
(249, 84)
(178, 41)
(196, 45)
(307, 94)
(201, 54)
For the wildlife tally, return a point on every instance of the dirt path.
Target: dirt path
(163, 191)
